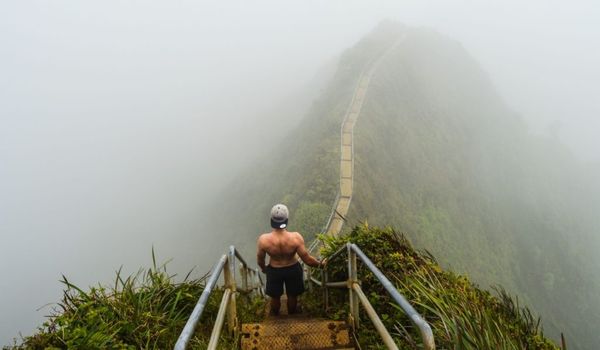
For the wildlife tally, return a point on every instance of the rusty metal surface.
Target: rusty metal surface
(296, 333)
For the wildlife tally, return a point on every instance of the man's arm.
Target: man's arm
(260, 255)
(305, 255)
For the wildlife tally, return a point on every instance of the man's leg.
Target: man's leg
(276, 305)
(294, 287)
(274, 289)
(292, 302)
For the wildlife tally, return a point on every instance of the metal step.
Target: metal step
(296, 333)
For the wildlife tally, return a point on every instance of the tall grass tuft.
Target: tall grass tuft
(146, 310)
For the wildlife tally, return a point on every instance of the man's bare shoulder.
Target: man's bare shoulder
(264, 237)
(297, 235)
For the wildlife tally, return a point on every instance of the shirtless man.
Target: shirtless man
(284, 268)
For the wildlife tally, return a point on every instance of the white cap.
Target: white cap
(279, 216)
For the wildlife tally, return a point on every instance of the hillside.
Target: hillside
(148, 310)
(461, 315)
(440, 156)
(473, 186)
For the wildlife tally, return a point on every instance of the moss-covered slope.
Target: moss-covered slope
(462, 316)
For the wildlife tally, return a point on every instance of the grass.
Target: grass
(146, 310)
(461, 315)
(149, 309)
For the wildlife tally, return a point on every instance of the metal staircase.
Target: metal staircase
(288, 332)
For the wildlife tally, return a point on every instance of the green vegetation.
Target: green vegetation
(441, 157)
(462, 316)
(147, 310)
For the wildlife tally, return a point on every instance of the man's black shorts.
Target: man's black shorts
(291, 276)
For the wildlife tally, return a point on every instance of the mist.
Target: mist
(121, 122)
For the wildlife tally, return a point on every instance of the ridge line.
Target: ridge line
(345, 191)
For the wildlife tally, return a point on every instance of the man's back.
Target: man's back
(281, 246)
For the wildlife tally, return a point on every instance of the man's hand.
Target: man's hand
(304, 254)
(323, 263)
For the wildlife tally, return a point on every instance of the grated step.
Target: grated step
(296, 334)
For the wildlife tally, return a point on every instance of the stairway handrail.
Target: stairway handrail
(228, 306)
(356, 295)
(415, 317)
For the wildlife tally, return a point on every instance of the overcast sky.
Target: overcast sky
(120, 119)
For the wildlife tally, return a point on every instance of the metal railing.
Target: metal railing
(357, 296)
(251, 282)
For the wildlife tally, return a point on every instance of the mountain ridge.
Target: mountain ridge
(440, 156)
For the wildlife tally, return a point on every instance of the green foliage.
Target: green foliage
(147, 310)
(310, 217)
(440, 156)
(461, 315)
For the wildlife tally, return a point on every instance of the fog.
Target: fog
(120, 121)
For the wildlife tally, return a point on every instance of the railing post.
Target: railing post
(259, 286)
(251, 280)
(262, 285)
(325, 279)
(308, 275)
(352, 279)
(257, 282)
(244, 274)
(230, 283)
